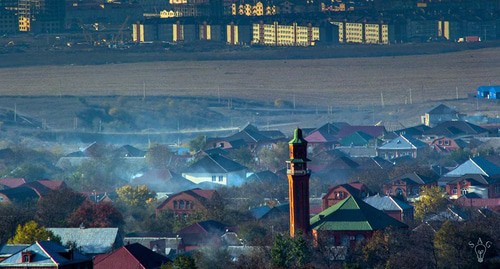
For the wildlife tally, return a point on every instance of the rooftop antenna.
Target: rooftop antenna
(382, 99)
(411, 100)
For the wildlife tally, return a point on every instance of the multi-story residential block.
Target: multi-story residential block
(364, 32)
(284, 35)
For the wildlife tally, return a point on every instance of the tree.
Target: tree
(54, 208)
(432, 201)
(31, 232)
(10, 217)
(244, 156)
(98, 215)
(29, 171)
(274, 158)
(289, 252)
(184, 262)
(138, 196)
(158, 156)
(198, 143)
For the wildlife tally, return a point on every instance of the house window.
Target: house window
(447, 142)
(497, 190)
(175, 205)
(214, 178)
(187, 204)
(181, 204)
(454, 190)
(221, 178)
(399, 191)
(440, 142)
(464, 191)
(339, 195)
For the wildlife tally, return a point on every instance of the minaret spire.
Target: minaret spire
(298, 184)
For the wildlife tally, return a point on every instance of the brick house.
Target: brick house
(342, 191)
(447, 145)
(189, 202)
(474, 186)
(350, 221)
(409, 185)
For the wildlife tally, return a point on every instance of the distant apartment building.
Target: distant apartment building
(365, 32)
(42, 16)
(250, 9)
(156, 30)
(238, 34)
(284, 35)
(8, 22)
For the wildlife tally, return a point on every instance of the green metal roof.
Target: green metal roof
(297, 137)
(353, 214)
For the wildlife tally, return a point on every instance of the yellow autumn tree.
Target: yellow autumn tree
(431, 201)
(136, 195)
(31, 232)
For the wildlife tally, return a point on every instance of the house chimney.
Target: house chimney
(298, 184)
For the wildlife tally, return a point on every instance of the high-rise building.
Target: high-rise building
(298, 184)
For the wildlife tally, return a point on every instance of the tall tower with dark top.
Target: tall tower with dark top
(298, 184)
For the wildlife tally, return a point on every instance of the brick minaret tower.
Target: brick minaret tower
(298, 184)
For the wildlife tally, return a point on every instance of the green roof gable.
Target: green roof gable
(353, 214)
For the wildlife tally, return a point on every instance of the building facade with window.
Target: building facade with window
(195, 201)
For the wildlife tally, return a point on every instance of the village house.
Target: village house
(488, 92)
(250, 137)
(400, 147)
(47, 254)
(216, 169)
(391, 206)
(349, 222)
(439, 114)
(131, 256)
(195, 201)
(409, 185)
(203, 233)
(90, 241)
(478, 177)
(158, 242)
(324, 137)
(445, 145)
(342, 191)
(455, 129)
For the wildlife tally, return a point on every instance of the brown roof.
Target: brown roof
(53, 184)
(12, 182)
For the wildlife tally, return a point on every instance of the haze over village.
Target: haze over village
(249, 134)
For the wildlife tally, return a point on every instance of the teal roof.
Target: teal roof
(352, 214)
(297, 137)
(356, 139)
